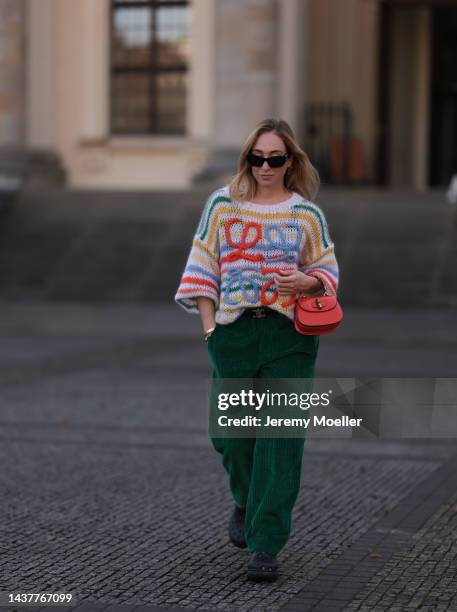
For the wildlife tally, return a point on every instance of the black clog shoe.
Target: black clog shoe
(236, 527)
(262, 567)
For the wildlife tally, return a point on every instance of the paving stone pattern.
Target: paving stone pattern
(111, 490)
(149, 525)
(341, 582)
(421, 576)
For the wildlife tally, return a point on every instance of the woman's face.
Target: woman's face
(267, 145)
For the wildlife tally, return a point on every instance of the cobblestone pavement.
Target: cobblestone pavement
(111, 491)
(423, 574)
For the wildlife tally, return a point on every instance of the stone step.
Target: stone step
(393, 248)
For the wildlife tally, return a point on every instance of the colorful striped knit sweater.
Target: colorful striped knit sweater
(238, 246)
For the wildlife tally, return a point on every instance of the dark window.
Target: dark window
(149, 66)
(443, 126)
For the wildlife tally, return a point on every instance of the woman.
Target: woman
(260, 243)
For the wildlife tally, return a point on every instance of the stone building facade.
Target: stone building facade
(368, 63)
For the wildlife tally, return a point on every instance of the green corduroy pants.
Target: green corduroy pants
(264, 473)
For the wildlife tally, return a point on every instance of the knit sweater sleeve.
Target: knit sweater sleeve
(317, 251)
(201, 275)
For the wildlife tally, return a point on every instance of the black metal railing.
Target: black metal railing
(330, 143)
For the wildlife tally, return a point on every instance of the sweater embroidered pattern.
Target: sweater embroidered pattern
(239, 245)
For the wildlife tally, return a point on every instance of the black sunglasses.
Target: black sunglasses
(276, 161)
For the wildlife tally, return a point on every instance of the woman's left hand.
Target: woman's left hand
(294, 281)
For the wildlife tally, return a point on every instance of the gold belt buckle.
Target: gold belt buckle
(259, 313)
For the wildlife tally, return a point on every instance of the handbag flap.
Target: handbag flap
(317, 304)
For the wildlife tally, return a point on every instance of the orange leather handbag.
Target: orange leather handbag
(315, 316)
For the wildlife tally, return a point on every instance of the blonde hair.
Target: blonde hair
(302, 176)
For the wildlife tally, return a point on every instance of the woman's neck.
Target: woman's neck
(266, 196)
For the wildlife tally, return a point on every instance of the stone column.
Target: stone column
(42, 110)
(293, 63)
(246, 49)
(246, 59)
(12, 77)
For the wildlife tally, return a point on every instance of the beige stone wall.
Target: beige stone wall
(343, 61)
(246, 51)
(12, 77)
(250, 59)
(68, 100)
(342, 51)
